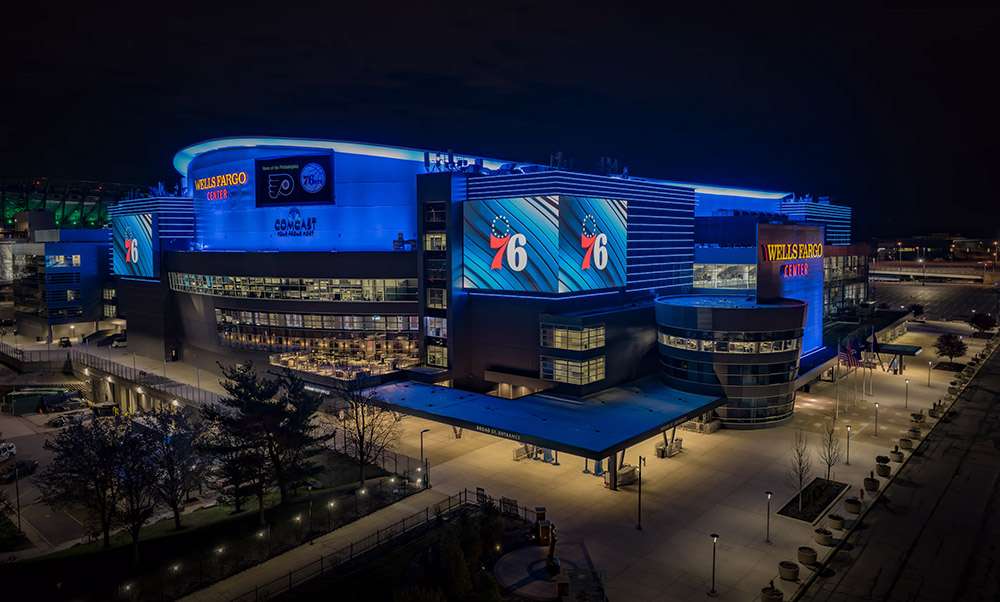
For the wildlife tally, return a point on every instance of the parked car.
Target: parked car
(65, 342)
(66, 419)
(119, 343)
(7, 450)
(18, 470)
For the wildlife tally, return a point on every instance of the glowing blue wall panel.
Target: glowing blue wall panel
(718, 204)
(135, 250)
(374, 202)
(781, 276)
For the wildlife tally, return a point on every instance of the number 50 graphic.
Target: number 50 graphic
(507, 246)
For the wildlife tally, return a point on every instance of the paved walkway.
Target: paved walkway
(935, 536)
(279, 566)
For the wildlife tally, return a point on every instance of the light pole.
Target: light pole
(767, 533)
(715, 541)
(906, 399)
(638, 524)
(329, 517)
(923, 280)
(876, 419)
(422, 446)
(929, 373)
(848, 461)
(17, 494)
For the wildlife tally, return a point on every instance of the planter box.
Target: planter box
(905, 443)
(934, 413)
(788, 570)
(871, 485)
(771, 594)
(836, 521)
(883, 470)
(823, 537)
(807, 555)
(897, 456)
(852, 505)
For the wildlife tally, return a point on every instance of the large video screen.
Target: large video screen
(297, 180)
(790, 266)
(544, 244)
(134, 246)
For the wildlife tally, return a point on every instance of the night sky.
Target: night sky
(893, 112)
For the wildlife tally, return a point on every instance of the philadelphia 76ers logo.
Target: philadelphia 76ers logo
(507, 246)
(595, 245)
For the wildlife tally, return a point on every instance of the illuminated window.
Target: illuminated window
(304, 289)
(725, 343)
(436, 327)
(108, 294)
(570, 338)
(437, 298)
(572, 372)
(435, 241)
(110, 311)
(437, 356)
(725, 275)
(72, 295)
(76, 261)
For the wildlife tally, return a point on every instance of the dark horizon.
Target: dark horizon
(883, 110)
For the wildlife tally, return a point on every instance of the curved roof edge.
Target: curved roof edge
(187, 154)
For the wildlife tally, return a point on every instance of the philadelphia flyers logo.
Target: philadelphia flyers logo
(595, 244)
(507, 246)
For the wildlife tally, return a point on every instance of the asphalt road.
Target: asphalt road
(935, 534)
(940, 301)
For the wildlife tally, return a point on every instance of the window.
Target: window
(72, 295)
(304, 289)
(570, 338)
(76, 261)
(55, 261)
(728, 343)
(436, 327)
(437, 356)
(572, 372)
(435, 241)
(437, 298)
(725, 275)
(110, 311)
(108, 294)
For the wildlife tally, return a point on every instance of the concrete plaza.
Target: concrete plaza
(716, 485)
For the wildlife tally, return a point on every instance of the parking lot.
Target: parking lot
(941, 301)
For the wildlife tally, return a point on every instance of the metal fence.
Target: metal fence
(33, 355)
(382, 536)
(166, 386)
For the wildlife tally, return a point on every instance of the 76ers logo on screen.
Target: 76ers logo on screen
(596, 245)
(131, 250)
(508, 247)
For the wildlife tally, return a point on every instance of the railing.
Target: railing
(381, 536)
(33, 355)
(166, 386)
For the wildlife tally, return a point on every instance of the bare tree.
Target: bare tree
(829, 451)
(369, 427)
(800, 464)
(137, 477)
(84, 471)
(175, 440)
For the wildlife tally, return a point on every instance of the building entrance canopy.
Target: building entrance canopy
(594, 427)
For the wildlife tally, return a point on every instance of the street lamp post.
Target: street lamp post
(848, 461)
(638, 524)
(876, 419)
(906, 399)
(929, 373)
(767, 532)
(17, 495)
(715, 541)
(422, 445)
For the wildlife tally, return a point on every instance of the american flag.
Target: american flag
(848, 355)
